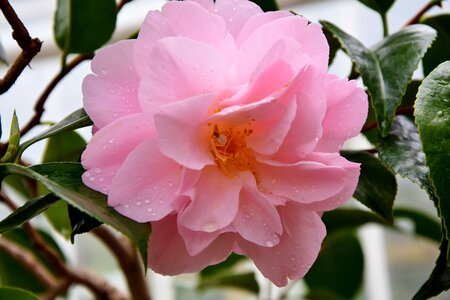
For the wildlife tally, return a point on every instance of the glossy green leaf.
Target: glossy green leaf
(377, 186)
(81, 222)
(267, 5)
(439, 51)
(245, 281)
(433, 120)
(424, 225)
(75, 120)
(82, 26)
(381, 6)
(22, 277)
(64, 180)
(16, 294)
(339, 267)
(349, 219)
(333, 43)
(379, 67)
(14, 140)
(26, 212)
(401, 150)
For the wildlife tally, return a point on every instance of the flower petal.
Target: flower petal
(215, 201)
(297, 250)
(183, 132)
(168, 254)
(110, 146)
(346, 113)
(145, 187)
(197, 241)
(113, 92)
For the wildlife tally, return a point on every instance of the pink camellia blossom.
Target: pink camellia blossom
(220, 125)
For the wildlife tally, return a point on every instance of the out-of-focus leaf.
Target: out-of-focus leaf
(424, 225)
(339, 267)
(267, 5)
(381, 6)
(26, 212)
(379, 67)
(16, 294)
(323, 295)
(64, 180)
(14, 140)
(377, 186)
(22, 185)
(439, 52)
(81, 222)
(245, 281)
(223, 267)
(21, 277)
(75, 120)
(345, 219)
(433, 120)
(3, 60)
(82, 26)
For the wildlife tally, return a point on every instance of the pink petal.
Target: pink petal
(257, 220)
(183, 132)
(145, 186)
(236, 13)
(179, 68)
(306, 129)
(110, 146)
(206, 4)
(197, 241)
(303, 182)
(215, 201)
(350, 180)
(168, 254)
(346, 113)
(113, 92)
(297, 250)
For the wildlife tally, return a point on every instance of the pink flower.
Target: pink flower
(220, 126)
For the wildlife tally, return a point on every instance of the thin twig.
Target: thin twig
(418, 16)
(30, 47)
(129, 260)
(121, 4)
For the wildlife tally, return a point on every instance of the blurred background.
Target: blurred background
(396, 264)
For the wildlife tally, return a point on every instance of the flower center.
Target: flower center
(229, 148)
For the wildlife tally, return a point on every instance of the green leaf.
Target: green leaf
(379, 67)
(26, 212)
(339, 267)
(333, 43)
(23, 186)
(245, 281)
(14, 140)
(82, 26)
(64, 180)
(381, 6)
(349, 219)
(81, 222)
(377, 186)
(401, 150)
(323, 295)
(16, 294)
(433, 120)
(267, 5)
(75, 120)
(439, 51)
(223, 267)
(439, 280)
(424, 225)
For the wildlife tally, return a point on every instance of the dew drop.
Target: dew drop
(138, 203)
(92, 178)
(230, 20)
(97, 170)
(147, 201)
(268, 243)
(126, 206)
(112, 141)
(149, 209)
(170, 183)
(104, 147)
(153, 214)
(278, 253)
(101, 179)
(210, 227)
(160, 202)
(293, 258)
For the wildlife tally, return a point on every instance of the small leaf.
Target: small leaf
(82, 26)
(75, 120)
(16, 294)
(377, 186)
(339, 267)
(379, 67)
(381, 6)
(439, 51)
(81, 222)
(64, 180)
(433, 120)
(245, 281)
(424, 225)
(14, 140)
(349, 219)
(26, 212)
(267, 5)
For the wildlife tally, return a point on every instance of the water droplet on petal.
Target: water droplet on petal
(92, 178)
(138, 203)
(111, 141)
(126, 206)
(268, 243)
(210, 227)
(149, 209)
(97, 170)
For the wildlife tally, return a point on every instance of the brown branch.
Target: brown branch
(30, 47)
(400, 111)
(129, 260)
(419, 15)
